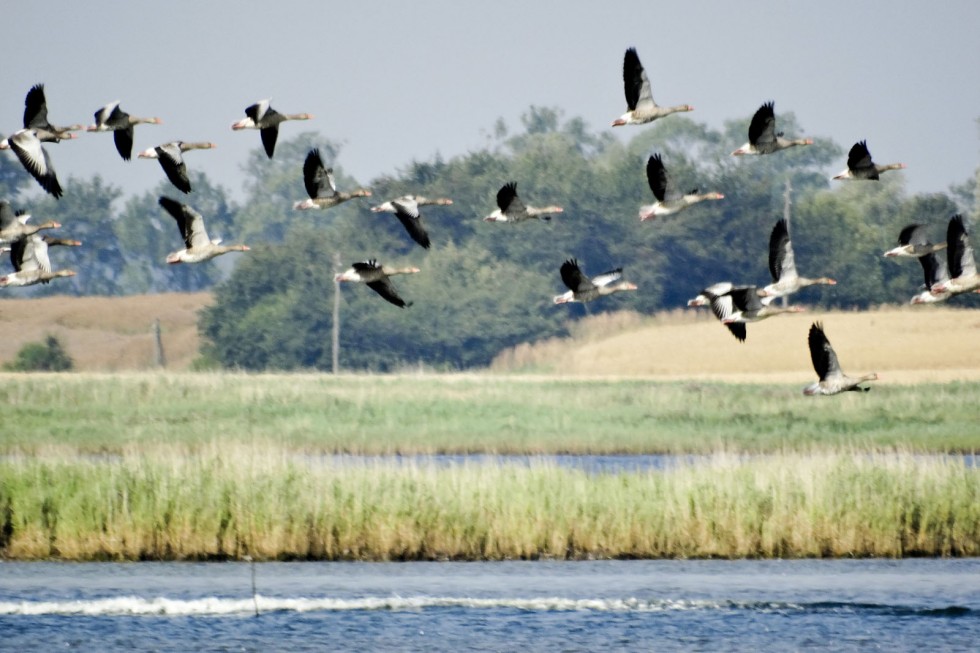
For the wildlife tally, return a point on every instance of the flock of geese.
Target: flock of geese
(734, 305)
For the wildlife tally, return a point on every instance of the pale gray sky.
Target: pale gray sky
(396, 81)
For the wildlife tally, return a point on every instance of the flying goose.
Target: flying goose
(171, 160)
(742, 304)
(860, 165)
(36, 118)
(320, 185)
(669, 199)
(376, 278)
(912, 241)
(408, 214)
(389, 206)
(197, 246)
(832, 380)
(510, 208)
(13, 226)
(782, 265)
(27, 146)
(959, 256)
(584, 289)
(112, 118)
(263, 117)
(29, 257)
(639, 99)
(763, 138)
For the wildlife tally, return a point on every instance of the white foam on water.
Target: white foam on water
(217, 606)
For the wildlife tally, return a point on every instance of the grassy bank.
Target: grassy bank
(98, 413)
(226, 502)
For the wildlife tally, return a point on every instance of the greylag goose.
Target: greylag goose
(639, 99)
(782, 266)
(36, 118)
(171, 160)
(29, 257)
(376, 278)
(860, 165)
(266, 119)
(912, 241)
(763, 138)
(408, 214)
(959, 256)
(320, 185)
(389, 206)
(13, 226)
(112, 118)
(584, 289)
(27, 146)
(61, 242)
(832, 380)
(704, 297)
(510, 208)
(197, 246)
(669, 199)
(743, 304)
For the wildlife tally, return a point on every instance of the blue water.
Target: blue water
(840, 605)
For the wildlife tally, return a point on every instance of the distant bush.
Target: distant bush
(49, 356)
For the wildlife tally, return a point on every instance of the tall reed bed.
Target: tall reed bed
(232, 501)
(473, 414)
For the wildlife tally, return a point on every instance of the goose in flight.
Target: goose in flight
(197, 246)
(860, 165)
(510, 208)
(669, 199)
(640, 106)
(321, 187)
(832, 379)
(263, 117)
(376, 277)
(170, 156)
(584, 289)
(112, 118)
(782, 266)
(763, 138)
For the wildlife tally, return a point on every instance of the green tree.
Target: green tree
(49, 356)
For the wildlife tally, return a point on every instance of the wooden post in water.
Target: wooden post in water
(158, 357)
(335, 326)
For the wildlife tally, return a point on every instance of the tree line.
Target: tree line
(483, 286)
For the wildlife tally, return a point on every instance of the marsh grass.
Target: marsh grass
(224, 502)
(92, 413)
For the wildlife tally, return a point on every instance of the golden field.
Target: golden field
(903, 344)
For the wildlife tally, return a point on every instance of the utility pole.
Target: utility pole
(335, 328)
(158, 357)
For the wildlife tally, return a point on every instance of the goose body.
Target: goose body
(36, 118)
(716, 289)
(389, 206)
(170, 156)
(263, 117)
(832, 379)
(321, 187)
(510, 208)
(32, 265)
(376, 277)
(112, 118)
(860, 165)
(959, 257)
(782, 266)
(197, 246)
(640, 106)
(27, 147)
(912, 241)
(669, 199)
(740, 305)
(763, 138)
(583, 289)
(13, 226)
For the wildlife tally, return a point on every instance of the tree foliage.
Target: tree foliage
(49, 356)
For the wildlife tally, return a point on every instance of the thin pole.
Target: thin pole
(255, 596)
(335, 327)
(787, 203)
(159, 358)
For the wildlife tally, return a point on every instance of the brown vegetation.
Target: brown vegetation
(106, 333)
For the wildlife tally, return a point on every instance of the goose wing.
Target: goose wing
(635, 81)
(173, 165)
(36, 108)
(822, 354)
(859, 161)
(507, 199)
(762, 129)
(123, 139)
(573, 278)
(782, 264)
(386, 289)
(317, 179)
(658, 179)
(913, 234)
(959, 251)
(408, 214)
(932, 270)
(189, 221)
(27, 146)
(606, 278)
(30, 253)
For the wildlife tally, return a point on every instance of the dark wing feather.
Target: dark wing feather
(17, 249)
(822, 355)
(315, 176)
(632, 77)
(506, 195)
(931, 269)
(738, 330)
(780, 250)
(572, 276)
(412, 221)
(859, 161)
(913, 234)
(36, 161)
(657, 177)
(762, 129)
(35, 108)
(959, 253)
(124, 142)
(189, 221)
(269, 136)
(746, 299)
(386, 289)
(366, 266)
(175, 168)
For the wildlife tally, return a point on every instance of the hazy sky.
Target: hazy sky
(397, 81)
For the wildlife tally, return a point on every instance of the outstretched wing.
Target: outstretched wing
(408, 214)
(782, 264)
(762, 129)
(635, 81)
(822, 355)
(572, 276)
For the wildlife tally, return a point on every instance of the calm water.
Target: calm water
(906, 605)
